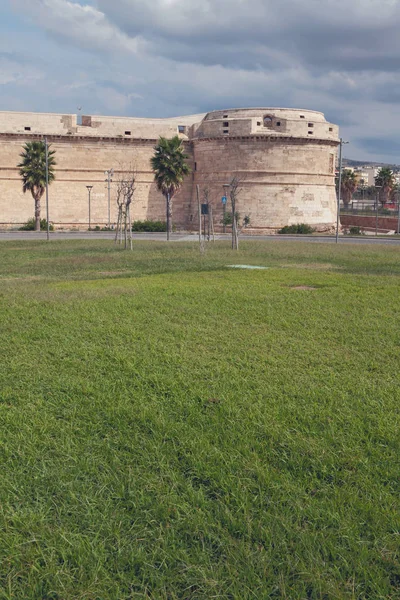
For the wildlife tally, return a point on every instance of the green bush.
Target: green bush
(246, 220)
(299, 228)
(30, 225)
(150, 226)
(355, 230)
(227, 218)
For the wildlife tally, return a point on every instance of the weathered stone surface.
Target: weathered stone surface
(284, 157)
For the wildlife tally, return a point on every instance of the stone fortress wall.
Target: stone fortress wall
(284, 158)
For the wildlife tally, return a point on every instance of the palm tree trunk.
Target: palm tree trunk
(169, 216)
(37, 214)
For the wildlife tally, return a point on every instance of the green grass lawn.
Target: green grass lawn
(175, 429)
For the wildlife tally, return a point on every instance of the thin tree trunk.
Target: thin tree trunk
(233, 201)
(212, 224)
(201, 242)
(237, 234)
(130, 227)
(235, 238)
(126, 228)
(118, 225)
(37, 214)
(121, 232)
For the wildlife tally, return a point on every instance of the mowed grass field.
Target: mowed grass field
(175, 429)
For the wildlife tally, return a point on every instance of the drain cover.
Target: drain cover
(247, 267)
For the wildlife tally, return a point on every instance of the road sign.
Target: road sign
(204, 209)
(223, 200)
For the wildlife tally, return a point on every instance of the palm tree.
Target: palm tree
(32, 170)
(386, 182)
(349, 186)
(170, 168)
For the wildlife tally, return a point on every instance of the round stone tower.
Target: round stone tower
(284, 158)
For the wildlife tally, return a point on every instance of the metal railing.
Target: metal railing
(370, 208)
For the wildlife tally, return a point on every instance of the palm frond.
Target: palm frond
(169, 165)
(32, 167)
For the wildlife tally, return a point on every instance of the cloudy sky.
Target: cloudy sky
(174, 57)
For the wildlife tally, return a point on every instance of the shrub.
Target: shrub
(299, 228)
(30, 225)
(355, 230)
(150, 226)
(227, 218)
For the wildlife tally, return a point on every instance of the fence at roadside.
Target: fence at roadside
(370, 209)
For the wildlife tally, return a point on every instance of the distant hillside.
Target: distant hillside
(348, 162)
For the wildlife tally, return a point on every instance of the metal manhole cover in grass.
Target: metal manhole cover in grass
(247, 267)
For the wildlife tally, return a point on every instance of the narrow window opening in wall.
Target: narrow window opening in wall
(27, 128)
(278, 124)
(226, 131)
(225, 123)
(330, 128)
(267, 121)
(181, 128)
(195, 166)
(258, 123)
(127, 133)
(191, 218)
(225, 117)
(301, 116)
(310, 132)
(311, 124)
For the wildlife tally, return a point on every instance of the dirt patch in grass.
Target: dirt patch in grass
(24, 278)
(303, 287)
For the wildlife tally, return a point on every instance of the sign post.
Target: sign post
(224, 201)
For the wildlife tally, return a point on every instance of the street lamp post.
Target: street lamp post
(378, 188)
(340, 187)
(398, 215)
(89, 189)
(109, 174)
(46, 146)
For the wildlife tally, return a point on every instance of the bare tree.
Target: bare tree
(126, 185)
(207, 200)
(234, 191)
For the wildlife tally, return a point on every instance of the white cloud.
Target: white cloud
(82, 24)
(170, 57)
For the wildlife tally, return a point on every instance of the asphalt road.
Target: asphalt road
(184, 237)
